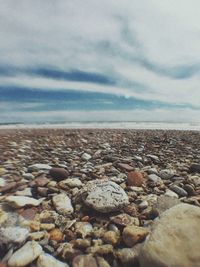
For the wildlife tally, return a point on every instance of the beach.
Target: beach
(95, 197)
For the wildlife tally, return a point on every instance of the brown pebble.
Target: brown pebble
(56, 235)
(135, 178)
(134, 234)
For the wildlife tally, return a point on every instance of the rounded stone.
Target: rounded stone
(56, 234)
(104, 196)
(58, 174)
(134, 234)
(174, 240)
(135, 178)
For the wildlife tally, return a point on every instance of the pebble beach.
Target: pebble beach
(99, 198)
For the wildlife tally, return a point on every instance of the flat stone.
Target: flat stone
(39, 167)
(174, 240)
(72, 182)
(104, 196)
(25, 255)
(62, 204)
(46, 260)
(125, 166)
(58, 174)
(154, 178)
(195, 180)
(171, 193)
(25, 192)
(22, 201)
(83, 228)
(2, 182)
(135, 178)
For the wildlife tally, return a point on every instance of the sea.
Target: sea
(107, 125)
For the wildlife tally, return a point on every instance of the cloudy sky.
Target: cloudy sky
(92, 60)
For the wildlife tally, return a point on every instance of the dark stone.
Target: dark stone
(195, 168)
(58, 174)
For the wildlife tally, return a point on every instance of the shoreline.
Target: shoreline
(108, 125)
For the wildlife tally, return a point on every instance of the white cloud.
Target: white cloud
(135, 42)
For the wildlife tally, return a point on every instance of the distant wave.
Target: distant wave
(106, 125)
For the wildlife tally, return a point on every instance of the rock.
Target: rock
(143, 205)
(89, 261)
(56, 234)
(2, 182)
(172, 237)
(62, 204)
(38, 235)
(195, 168)
(8, 187)
(111, 237)
(73, 182)
(171, 193)
(21, 201)
(100, 249)
(135, 178)
(134, 234)
(124, 220)
(125, 167)
(195, 180)
(86, 156)
(189, 189)
(25, 255)
(104, 196)
(180, 191)
(166, 174)
(12, 235)
(46, 260)
(83, 228)
(129, 256)
(164, 203)
(81, 243)
(3, 216)
(39, 167)
(25, 192)
(154, 178)
(28, 176)
(67, 252)
(58, 174)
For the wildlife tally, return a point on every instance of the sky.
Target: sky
(91, 60)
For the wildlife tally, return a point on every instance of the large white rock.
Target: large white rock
(104, 196)
(22, 201)
(25, 255)
(175, 239)
(62, 204)
(46, 260)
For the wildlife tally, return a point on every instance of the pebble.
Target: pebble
(73, 182)
(25, 255)
(104, 196)
(124, 220)
(180, 191)
(62, 204)
(56, 234)
(171, 193)
(111, 237)
(195, 168)
(25, 192)
(125, 167)
(86, 156)
(22, 201)
(46, 260)
(39, 167)
(89, 261)
(2, 182)
(134, 234)
(11, 235)
(135, 178)
(58, 174)
(154, 178)
(83, 228)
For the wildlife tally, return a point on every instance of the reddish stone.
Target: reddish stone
(58, 174)
(28, 214)
(41, 180)
(135, 178)
(125, 167)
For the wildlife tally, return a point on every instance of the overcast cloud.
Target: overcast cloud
(145, 50)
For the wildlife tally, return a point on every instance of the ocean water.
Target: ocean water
(109, 125)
